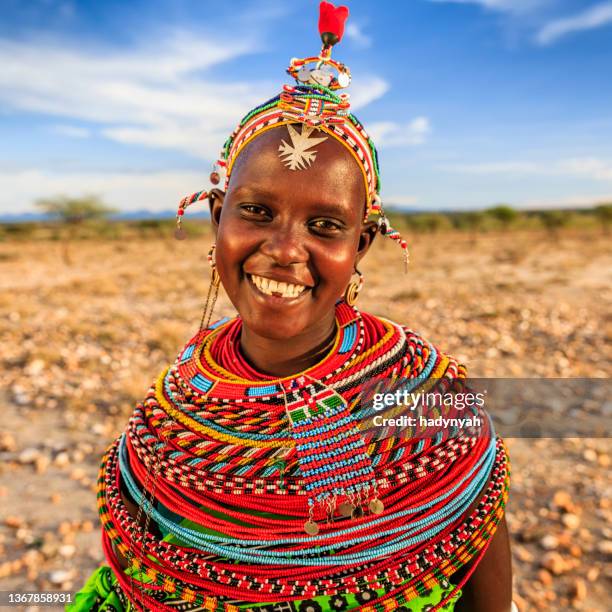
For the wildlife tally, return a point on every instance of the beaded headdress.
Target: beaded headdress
(315, 103)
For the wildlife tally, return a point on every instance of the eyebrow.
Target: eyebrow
(333, 210)
(255, 192)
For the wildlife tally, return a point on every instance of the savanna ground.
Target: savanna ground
(82, 342)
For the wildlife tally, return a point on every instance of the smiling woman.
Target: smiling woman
(250, 477)
(276, 227)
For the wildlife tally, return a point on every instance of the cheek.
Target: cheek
(232, 248)
(335, 265)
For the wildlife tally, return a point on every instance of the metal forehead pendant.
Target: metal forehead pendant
(296, 155)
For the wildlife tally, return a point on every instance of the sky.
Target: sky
(470, 102)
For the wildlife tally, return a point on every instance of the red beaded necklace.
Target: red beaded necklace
(225, 446)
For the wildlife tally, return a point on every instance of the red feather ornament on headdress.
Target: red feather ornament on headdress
(331, 22)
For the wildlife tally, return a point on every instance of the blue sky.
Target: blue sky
(470, 102)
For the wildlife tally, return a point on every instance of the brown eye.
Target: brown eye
(254, 210)
(326, 225)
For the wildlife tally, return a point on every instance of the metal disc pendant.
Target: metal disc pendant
(311, 528)
(357, 512)
(344, 79)
(179, 233)
(376, 506)
(346, 509)
(304, 74)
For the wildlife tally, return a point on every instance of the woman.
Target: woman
(250, 478)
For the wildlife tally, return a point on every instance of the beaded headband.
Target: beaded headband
(313, 103)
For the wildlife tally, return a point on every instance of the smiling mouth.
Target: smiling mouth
(279, 289)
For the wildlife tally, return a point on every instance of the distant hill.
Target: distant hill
(132, 215)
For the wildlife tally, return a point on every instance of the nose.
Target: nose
(285, 245)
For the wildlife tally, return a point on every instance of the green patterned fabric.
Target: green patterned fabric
(100, 594)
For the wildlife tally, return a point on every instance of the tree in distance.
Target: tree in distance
(604, 214)
(505, 215)
(73, 211)
(554, 220)
(470, 220)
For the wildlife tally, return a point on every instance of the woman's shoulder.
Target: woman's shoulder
(421, 346)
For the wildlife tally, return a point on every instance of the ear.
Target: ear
(366, 238)
(215, 203)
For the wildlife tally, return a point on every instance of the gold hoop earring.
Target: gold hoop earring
(354, 287)
(213, 288)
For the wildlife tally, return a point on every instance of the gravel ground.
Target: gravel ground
(81, 343)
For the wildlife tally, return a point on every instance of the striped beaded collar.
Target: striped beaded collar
(207, 379)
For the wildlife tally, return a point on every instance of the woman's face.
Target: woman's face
(288, 240)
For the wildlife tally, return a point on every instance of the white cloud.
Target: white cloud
(355, 34)
(401, 200)
(593, 17)
(365, 90)
(71, 131)
(592, 168)
(157, 95)
(148, 95)
(153, 94)
(125, 191)
(392, 134)
(575, 201)
(544, 15)
(589, 167)
(507, 6)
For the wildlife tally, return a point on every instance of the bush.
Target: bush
(19, 230)
(553, 220)
(504, 215)
(428, 223)
(604, 213)
(472, 220)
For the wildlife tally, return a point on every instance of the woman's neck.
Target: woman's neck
(283, 357)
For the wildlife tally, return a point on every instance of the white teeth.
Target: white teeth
(269, 286)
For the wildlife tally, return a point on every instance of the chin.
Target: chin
(275, 326)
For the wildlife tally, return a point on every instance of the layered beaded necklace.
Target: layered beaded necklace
(215, 446)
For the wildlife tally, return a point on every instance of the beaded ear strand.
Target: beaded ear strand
(179, 233)
(316, 103)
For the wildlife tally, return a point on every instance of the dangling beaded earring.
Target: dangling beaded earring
(353, 289)
(179, 232)
(213, 287)
(384, 227)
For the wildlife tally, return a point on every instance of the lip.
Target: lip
(275, 300)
